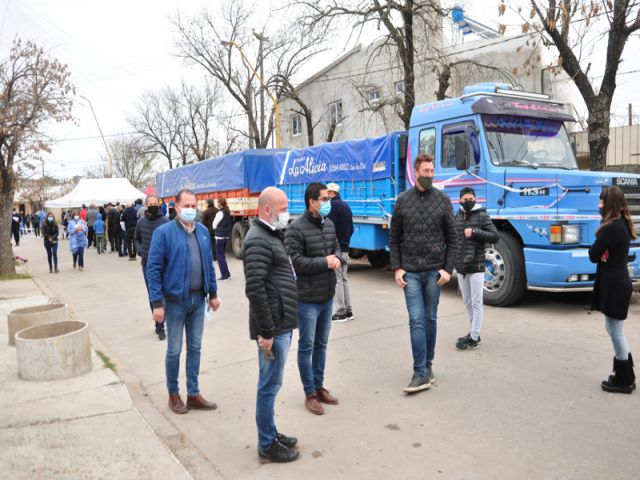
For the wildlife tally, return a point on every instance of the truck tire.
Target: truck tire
(378, 259)
(505, 279)
(356, 253)
(237, 239)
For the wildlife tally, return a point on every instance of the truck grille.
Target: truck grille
(632, 195)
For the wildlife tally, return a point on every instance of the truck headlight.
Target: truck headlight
(565, 234)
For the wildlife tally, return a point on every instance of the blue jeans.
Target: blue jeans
(422, 295)
(78, 257)
(314, 324)
(615, 329)
(269, 383)
(52, 254)
(181, 317)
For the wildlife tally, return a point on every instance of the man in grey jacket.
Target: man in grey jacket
(92, 216)
(312, 243)
(273, 307)
(423, 245)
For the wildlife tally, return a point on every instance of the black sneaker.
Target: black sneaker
(162, 335)
(417, 384)
(278, 453)
(349, 315)
(339, 318)
(467, 343)
(430, 375)
(289, 442)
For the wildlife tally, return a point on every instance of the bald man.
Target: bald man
(273, 315)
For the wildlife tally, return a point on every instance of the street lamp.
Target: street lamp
(101, 134)
(229, 43)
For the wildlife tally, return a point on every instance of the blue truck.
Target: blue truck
(511, 146)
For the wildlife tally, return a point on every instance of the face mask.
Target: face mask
(426, 182)
(188, 215)
(325, 208)
(468, 205)
(601, 211)
(76, 217)
(153, 210)
(50, 219)
(282, 221)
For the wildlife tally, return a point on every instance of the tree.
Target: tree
(205, 40)
(568, 24)
(34, 89)
(400, 18)
(132, 161)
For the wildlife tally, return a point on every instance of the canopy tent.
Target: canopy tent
(98, 191)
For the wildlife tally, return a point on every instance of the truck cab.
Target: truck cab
(512, 147)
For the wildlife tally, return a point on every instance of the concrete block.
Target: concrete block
(31, 316)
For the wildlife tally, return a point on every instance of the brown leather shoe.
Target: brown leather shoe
(197, 402)
(176, 405)
(313, 405)
(325, 397)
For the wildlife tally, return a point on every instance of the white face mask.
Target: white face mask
(282, 221)
(76, 217)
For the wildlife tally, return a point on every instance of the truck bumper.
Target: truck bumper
(549, 270)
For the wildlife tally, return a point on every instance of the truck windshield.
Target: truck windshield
(528, 142)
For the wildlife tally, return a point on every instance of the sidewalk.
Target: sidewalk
(84, 427)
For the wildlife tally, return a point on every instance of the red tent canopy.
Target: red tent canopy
(150, 190)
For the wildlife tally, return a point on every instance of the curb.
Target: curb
(189, 457)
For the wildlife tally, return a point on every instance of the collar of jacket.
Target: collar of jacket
(264, 226)
(423, 193)
(183, 227)
(312, 218)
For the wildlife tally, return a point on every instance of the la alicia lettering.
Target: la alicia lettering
(306, 166)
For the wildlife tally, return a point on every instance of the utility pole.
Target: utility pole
(101, 134)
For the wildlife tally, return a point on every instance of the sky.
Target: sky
(119, 49)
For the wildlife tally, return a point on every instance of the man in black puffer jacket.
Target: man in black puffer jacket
(475, 229)
(144, 232)
(273, 314)
(423, 248)
(313, 246)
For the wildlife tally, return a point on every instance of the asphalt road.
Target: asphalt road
(527, 404)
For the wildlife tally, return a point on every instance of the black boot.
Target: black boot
(278, 453)
(623, 379)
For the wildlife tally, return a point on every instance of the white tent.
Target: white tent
(98, 191)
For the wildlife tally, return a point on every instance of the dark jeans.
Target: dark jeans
(36, 230)
(422, 295)
(221, 246)
(113, 242)
(212, 234)
(159, 326)
(314, 325)
(131, 241)
(16, 235)
(121, 242)
(91, 236)
(269, 383)
(78, 257)
(52, 253)
(179, 318)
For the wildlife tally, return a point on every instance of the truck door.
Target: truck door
(460, 154)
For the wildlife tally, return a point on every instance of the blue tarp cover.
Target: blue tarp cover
(351, 160)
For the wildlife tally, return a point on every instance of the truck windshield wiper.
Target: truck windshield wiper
(519, 163)
(555, 165)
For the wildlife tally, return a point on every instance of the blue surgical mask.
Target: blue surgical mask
(188, 215)
(50, 219)
(325, 208)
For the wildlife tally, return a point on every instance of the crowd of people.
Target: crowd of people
(296, 277)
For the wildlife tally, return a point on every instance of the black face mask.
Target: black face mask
(468, 205)
(426, 182)
(153, 210)
(601, 211)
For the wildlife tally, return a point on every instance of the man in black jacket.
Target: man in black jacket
(207, 220)
(130, 219)
(273, 309)
(423, 246)
(342, 219)
(144, 231)
(313, 246)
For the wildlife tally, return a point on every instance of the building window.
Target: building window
(296, 125)
(335, 112)
(374, 95)
(399, 87)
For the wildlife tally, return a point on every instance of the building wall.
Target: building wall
(623, 153)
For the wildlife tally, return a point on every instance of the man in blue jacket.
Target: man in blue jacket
(180, 275)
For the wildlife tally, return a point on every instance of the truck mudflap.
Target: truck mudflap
(568, 270)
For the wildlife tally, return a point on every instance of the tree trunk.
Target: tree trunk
(7, 265)
(408, 66)
(598, 126)
(444, 80)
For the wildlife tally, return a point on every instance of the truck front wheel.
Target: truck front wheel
(504, 278)
(237, 239)
(378, 259)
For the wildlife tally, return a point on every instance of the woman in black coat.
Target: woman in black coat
(612, 286)
(50, 232)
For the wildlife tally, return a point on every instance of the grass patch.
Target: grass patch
(15, 276)
(106, 361)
